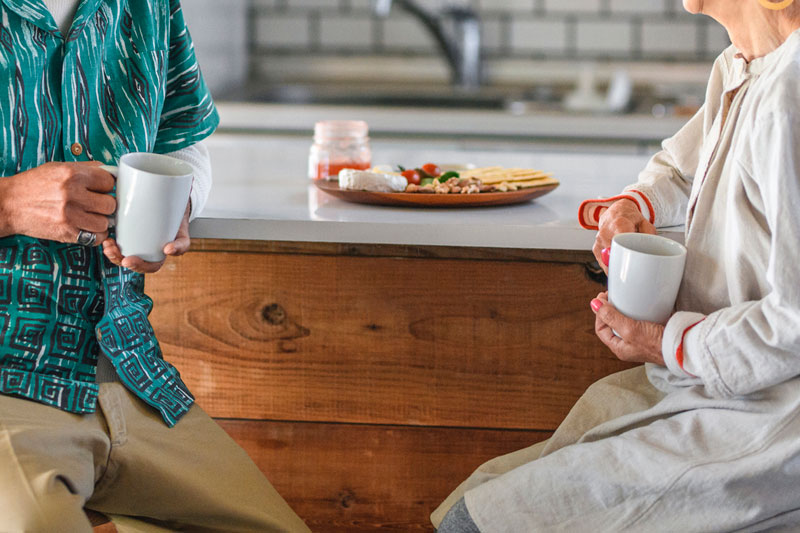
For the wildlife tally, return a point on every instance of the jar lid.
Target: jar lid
(337, 129)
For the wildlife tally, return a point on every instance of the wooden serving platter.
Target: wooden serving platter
(405, 199)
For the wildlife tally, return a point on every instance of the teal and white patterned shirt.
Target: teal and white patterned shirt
(124, 79)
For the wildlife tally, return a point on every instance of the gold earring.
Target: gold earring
(776, 6)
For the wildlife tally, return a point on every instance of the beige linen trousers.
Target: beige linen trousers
(123, 461)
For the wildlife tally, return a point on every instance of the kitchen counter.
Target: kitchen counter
(369, 358)
(252, 200)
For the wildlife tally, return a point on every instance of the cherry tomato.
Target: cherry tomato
(431, 169)
(411, 175)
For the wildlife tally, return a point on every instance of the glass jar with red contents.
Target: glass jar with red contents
(339, 144)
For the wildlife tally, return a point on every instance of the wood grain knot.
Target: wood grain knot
(595, 272)
(274, 314)
(346, 498)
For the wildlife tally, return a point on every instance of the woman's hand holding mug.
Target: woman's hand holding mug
(639, 341)
(623, 216)
(644, 277)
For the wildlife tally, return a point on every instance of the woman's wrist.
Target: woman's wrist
(590, 211)
(629, 205)
(643, 204)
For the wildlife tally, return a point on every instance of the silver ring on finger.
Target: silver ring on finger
(86, 238)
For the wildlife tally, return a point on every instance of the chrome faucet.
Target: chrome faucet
(462, 50)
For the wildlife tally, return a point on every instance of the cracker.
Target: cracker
(535, 183)
(493, 175)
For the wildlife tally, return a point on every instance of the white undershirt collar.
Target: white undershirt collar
(63, 12)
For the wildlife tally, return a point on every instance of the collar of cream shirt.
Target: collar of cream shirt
(758, 65)
(740, 70)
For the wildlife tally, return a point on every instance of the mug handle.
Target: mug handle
(114, 171)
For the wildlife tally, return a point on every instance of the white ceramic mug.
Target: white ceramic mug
(644, 275)
(152, 195)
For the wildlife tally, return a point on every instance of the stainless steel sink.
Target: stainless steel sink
(407, 96)
(513, 100)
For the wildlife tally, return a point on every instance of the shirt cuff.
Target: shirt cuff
(673, 345)
(198, 158)
(590, 210)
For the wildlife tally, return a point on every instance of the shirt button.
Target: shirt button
(76, 149)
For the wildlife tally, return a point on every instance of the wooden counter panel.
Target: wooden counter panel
(433, 342)
(391, 250)
(350, 479)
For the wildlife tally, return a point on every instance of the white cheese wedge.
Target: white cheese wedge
(365, 180)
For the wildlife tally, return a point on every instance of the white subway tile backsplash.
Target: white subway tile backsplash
(494, 34)
(346, 32)
(538, 35)
(406, 33)
(282, 31)
(305, 4)
(514, 6)
(717, 38)
(603, 36)
(429, 5)
(266, 4)
(638, 6)
(220, 40)
(639, 30)
(676, 37)
(675, 6)
(360, 5)
(572, 6)
(433, 5)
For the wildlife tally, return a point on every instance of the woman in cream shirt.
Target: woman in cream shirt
(706, 435)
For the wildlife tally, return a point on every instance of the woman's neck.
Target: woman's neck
(753, 29)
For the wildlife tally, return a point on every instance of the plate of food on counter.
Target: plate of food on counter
(434, 185)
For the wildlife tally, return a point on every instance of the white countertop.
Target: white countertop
(258, 195)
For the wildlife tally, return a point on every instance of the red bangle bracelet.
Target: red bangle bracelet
(679, 351)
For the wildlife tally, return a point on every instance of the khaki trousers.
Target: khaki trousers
(123, 461)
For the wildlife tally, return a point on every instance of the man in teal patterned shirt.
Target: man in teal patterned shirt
(122, 77)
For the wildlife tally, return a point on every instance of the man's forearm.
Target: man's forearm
(6, 217)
